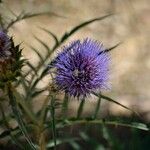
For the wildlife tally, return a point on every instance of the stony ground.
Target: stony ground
(130, 24)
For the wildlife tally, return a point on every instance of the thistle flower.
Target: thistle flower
(5, 45)
(82, 68)
(11, 60)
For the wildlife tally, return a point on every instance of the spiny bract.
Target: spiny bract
(11, 60)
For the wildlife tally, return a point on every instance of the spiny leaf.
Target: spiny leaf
(38, 54)
(5, 121)
(97, 108)
(109, 49)
(68, 34)
(111, 100)
(33, 85)
(64, 37)
(18, 117)
(24, 84)
(65, 106)
(30, 15)
(137, 125)
(61, 141)
(37, 92)
(51, 34)
(44, 44)
(27, 16)
(32, 68)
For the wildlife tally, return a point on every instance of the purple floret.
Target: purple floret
(82, 68)
(5, 45)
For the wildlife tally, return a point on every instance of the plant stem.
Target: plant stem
(41, 135)
(97, 107)
(24, 106)
(44, 110)
(6, 123)
(65, 106)
(17, 114)
(53, 120)
(80, 109)
(42, 139)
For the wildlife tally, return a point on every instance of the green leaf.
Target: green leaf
(51, 34)
(18, 117)
(23, 16)
(32, 88)
(43, 44)
(65, 106)
(111, 100)
(8, 131)
(64, 37)
(75, 145)
(15, 131)
(68, 34)
(37, 92)
(38, 54)
(74, 121)
(107, 135)
(61, 141)
(109, 49)
(141, 126)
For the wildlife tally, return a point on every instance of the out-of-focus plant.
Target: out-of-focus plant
(79, 70)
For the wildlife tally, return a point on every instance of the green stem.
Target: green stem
(6, 123)
(65, 106)
(44, 110)
(53, 120)
(43, 115)
(111, 100)
(18, 116)
(97, 107)
(80, 109)
(42, 139)
(25, 106)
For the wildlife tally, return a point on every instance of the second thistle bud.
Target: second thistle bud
(10, 59)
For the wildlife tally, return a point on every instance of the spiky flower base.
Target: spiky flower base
(11, 60)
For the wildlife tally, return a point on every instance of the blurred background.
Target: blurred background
(130, 24)
(130, 67)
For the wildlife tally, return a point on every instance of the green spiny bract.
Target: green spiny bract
(11, 62)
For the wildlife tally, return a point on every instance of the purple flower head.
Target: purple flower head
(5, 45)
(82, 68)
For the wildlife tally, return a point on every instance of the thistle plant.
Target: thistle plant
(79, 70)
(11, 60)
(5, 45)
